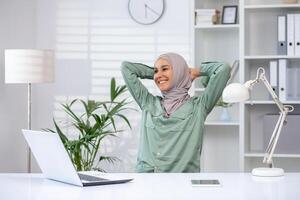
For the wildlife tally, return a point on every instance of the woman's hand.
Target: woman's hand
(194, 73)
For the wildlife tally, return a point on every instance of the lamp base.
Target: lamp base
(267, 172)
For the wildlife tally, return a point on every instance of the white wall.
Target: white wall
(91, 39)
(17, 30)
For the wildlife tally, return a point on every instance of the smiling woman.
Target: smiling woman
(163, 74)
(172, 125)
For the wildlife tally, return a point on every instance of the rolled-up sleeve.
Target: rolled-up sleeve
(216, 76)
(131, 73)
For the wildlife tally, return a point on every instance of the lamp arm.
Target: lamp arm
(274, 132)
(274, 139)
(275, 98)
(284, 110)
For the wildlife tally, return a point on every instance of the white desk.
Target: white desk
(235, 186)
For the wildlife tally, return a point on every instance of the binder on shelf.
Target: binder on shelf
(291, 83)
(297, 34)
(290, 35)
(298, 83)
(282, 65)
(281, 41)
(273, 76)
(288, 142)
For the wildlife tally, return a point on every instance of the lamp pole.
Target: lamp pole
(29, 124)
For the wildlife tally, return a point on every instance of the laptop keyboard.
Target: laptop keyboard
(85, 177)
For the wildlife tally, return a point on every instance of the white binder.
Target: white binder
(298, 84)
(281, 40)
(291, 77)
(282, 65)
(297, 34)
(290, 35)
(273, 76)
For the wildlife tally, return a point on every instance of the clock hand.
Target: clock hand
(147, 7)
(146, 16)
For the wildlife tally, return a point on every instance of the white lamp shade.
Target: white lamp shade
(29, 66)
(235, 92)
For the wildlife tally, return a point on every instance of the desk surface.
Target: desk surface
(235, 186)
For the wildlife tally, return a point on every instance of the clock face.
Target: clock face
(146, 11)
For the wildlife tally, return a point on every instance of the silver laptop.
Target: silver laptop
(55, 162)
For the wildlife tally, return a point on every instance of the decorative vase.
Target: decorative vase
(225, 116)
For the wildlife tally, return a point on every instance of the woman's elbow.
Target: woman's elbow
(225, 65)
(226, 68)
(125, 66)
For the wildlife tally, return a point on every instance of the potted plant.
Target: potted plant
(96, 123)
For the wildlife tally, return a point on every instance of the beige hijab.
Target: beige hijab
(181, 83)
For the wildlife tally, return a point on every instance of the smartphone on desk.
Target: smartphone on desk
(206, 182)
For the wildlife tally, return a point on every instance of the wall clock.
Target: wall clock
(146, 11)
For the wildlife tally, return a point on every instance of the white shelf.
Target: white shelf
(218, 26)
(272, 6)
(270, 102)
(219, 123)
(261, 155)
(256, 57)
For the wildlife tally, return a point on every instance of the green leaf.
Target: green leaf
(105, 135)
(68, 110)
(85, 105)
(99, 169)
(223, 104)
(112, 89)
(120, 90)
(60, 133)
(113, 123)
(73, 102)
(108, 159)
(48, 130)
(115, 109)
(125, 119)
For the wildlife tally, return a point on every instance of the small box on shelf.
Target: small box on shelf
(290, 1)
(206, 17)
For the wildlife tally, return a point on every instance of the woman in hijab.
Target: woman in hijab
(172, 125)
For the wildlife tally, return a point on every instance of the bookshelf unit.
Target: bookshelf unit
(259, 48)
(252, 41)
(218, 42)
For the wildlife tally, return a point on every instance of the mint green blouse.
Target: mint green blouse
(173, 144)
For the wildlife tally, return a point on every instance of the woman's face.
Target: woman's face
(163, 74)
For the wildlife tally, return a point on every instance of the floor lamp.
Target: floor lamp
(29, 66)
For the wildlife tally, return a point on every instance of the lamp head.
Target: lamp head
(29, 66)
(235, 92)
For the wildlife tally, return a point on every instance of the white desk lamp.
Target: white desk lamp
(237, 92)
(29, 66)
